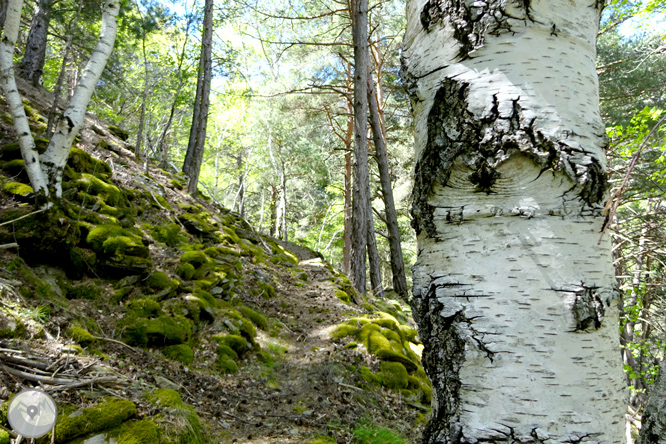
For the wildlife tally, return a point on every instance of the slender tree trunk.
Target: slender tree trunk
(361, 183)
(273, 209)
(195, 149)
(349, 146)
(3, 13)
(653, 422)
(514, 291)
(241, 185)
(397, 262)
(31, 66)
(144, 97)
(373, 257)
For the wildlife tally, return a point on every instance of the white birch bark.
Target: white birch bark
(68, 126)
(513, 292)
(13, 98)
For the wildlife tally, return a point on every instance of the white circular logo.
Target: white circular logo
(32, 413)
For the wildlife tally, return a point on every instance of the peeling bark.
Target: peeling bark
(514, 294)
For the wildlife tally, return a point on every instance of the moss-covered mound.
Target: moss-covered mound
(108, 414)
(396, 345)
(184, 426)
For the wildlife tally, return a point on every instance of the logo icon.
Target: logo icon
(32, 413)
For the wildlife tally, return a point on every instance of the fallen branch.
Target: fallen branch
(116, 342)
(23, 217)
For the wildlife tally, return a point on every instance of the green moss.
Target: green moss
(16, 168)
(408, 334)
(377, 341)
(85, 291)
(161, 331)
(364, 334)
(167, 234)
(201, 294)
(215, 252)
(176, 184)
(159, 281)
(393, 356)
(391, 335)
(226, 365)
(195, 224)
(145, 307)
(386, 322)
(393, 375)
(196, 258)
(98, 236)
(81, 336)
(180, 352)
(187, 428)
(351, 345)
(4, 437)
(266, 291)
(344, 330)
(137, 432)
(256, 318)
(118, 132)
(82, 162)
(344, 297)
(106, 415)
(124, 245)
(185, 271)
(322, 440)
(367, 375)
(237, 343)
(109, 193)
(17, 189)
(226, 350)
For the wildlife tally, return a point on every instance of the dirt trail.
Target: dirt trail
(308, 391)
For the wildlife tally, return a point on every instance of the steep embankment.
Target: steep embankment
(153, 317)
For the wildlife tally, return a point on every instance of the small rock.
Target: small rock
(312, 294)
(294, 431)
(163, 382)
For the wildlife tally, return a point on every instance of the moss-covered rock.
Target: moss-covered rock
(84, 291)
(145, 307)
(265, 290)
(82, 162)
(16, 168)
(108, 193)
(344, 330)
(186, 271)
(160, 281)
(344, 297)
(81, 336)
(167, 234)
(18, 189)
(225, 364)
(187, 428)
(180, 352)
(108, 414)
(136, 432)
(237, 343)
(161, 331)
(118, 132)
(257, 319)
(195, 224)
(386, 354)
(393, 375)
(195, 258)
(4, 437)
(11, 325)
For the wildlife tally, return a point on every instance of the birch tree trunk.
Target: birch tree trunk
(514, 291)
(45, 174)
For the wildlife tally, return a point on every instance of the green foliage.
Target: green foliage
(371, 434)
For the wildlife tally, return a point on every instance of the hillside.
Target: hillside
(151, 316)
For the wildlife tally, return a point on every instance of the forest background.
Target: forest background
(279, 142)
